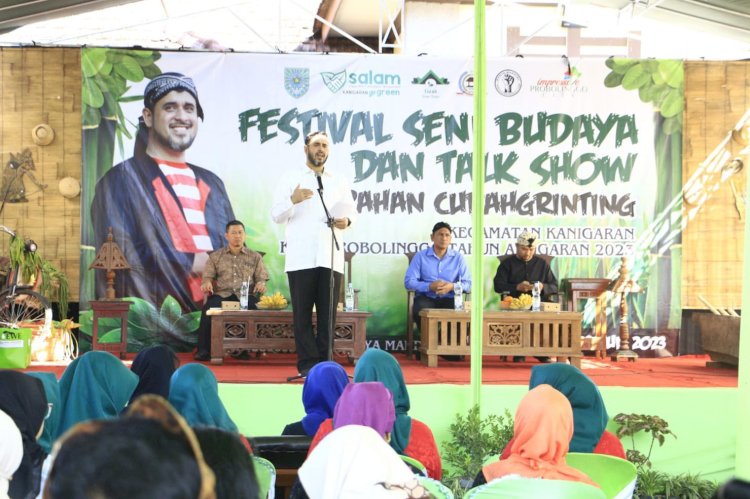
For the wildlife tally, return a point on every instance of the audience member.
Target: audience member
(589, 414)
(11, 452)
(154, 367)
(194, 393)
(354, 461)
(52, 423)
(96, 385)
(151, 452)
(323, 386)
(22, 398)
(227, 456)
(543, 427)
(410, 436)
(368, 403)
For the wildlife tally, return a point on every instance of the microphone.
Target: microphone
(320, 182)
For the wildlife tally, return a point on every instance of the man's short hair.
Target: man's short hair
(441, 225)
(234, 222)
(310, 135)
(161, 85)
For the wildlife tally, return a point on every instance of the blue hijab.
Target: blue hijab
(96, 385)
(323, 386)
(377, 365)
(154, 367)
(194, 393)
(589, 414)
(52, 423)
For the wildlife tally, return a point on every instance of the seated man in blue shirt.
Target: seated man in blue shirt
(433, 271)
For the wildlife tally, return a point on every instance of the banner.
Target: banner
(580, 152)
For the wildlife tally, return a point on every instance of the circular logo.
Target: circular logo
(466, 83)
(508, 83)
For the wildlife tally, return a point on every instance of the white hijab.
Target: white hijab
(354, 462)
(11, 451)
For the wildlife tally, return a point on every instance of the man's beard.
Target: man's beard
(315, 162)
(180, 144)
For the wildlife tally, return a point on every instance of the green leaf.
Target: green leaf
(91, 94)
(92, 61)
(672, 72)
(151, 71)
(129, 69)
(113, 336)
(621, 65)
(672, 104)
(171, 309)
(636, 77)
(613, 80)
(90, 117)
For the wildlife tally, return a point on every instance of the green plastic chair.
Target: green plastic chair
(415, 465)
(616, 477)
(435, 488)
(265, 473)
(525, 488)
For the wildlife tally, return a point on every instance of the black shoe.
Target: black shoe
(243, 355)
(202, 356)
(519, 359)
(452, 358)
(544, 360)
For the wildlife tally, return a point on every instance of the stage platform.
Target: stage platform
(684, 371)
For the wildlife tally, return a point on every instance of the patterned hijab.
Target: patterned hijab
(323, 386)
(154, 367)
(377, 365)
(194, 393)
(96, 385)
(542, 429)
(589, 414)
(52, 423)
(11, 452)
(368, 403)
(22, 398)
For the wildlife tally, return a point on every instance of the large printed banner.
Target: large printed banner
(582, 153)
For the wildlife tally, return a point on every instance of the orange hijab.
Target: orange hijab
(542, 431)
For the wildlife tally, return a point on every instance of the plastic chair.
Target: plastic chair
(616, 477)
(524, 488)
(265, 473)
(435, 488)
(415, 465)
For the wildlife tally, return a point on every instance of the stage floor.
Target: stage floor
(684, 371)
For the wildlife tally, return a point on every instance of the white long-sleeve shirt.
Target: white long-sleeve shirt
(308, 237)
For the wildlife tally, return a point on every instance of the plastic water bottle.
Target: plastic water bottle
(244, 291)
(536, 297)
(349, 298)
(458, 296)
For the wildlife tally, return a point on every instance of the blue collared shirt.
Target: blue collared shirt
(426, 268)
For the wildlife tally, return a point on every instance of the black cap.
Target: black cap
(166, 82)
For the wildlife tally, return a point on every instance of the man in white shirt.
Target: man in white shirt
(310, 248)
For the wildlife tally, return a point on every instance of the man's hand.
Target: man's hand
(341, 223)
(300, 194)
(524, 287)
(207, 287)
(441, 287)
(260, 287)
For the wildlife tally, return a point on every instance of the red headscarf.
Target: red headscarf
(543, 428)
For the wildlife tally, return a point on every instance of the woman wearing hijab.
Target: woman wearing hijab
(154, 367)
(410, 436)
(323, 386)
(368, 403)
(96, 385)
(52, 423)
(543, 427)
(11, 452)
(589, 414)
(354, 461)
(22, 398)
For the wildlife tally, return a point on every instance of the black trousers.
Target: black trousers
(423, 301)
(310, 287)
(204, 328)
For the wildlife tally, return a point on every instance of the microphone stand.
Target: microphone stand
(331, 280)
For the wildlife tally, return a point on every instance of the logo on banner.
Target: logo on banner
(430, 79)
(334, 81)
(466, 83)
(568, 85)
(508, 83)
(296, 81)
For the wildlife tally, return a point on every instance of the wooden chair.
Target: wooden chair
(546, 258)
(582, 289)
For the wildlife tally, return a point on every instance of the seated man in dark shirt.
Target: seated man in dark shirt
(517, 274)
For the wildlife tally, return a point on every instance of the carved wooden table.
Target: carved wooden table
(117, 309)
(272, 331)
(522, 333)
